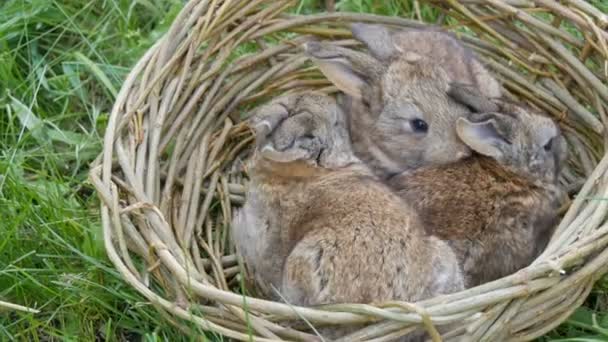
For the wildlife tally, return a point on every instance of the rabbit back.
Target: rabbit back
(373, 250)
(495, 221)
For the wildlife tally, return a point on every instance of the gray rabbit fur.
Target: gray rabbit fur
(399, 114)
(319, 228)
(497, 208)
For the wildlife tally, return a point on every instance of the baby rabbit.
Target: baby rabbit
(399, 114)
(498, 207)
(317, 225)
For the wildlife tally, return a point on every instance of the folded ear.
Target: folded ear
(299, 137)
(344, 68)
(549, 136)
(561, 152)
(471, 97)
(482, 137)
(267, 118)
(547, 133)
(289, 156)
(486, 82)
(376, 38)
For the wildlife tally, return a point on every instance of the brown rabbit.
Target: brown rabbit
(498, 207)
(399, 114)
(319, 227)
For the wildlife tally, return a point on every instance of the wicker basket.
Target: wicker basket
(169, 175)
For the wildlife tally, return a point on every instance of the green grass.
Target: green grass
(61, 64)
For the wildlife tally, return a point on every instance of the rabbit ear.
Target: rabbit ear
(482, 137)
(343, 67)
(292, 155)
(551, 139)
(469, 96)
(299, 137)
(266, 119)
(560, 152)
(376, 38)
(486, 82)
(546, 134)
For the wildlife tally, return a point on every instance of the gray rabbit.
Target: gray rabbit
(318, 226)
(399, 114)
(498, 207)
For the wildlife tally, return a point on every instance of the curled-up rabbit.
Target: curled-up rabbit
(399, 115)
(497, 208)
(317, 225)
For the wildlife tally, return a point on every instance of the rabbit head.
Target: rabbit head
(459, 62)
(518, 138)
(307, 128)
(400, 116)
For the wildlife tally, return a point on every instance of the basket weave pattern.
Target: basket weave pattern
(169, 175)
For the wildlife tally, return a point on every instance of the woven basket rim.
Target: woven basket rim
(134, 212)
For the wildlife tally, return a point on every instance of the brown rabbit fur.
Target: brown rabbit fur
(319, 228)
(399, 114)
(497, 208)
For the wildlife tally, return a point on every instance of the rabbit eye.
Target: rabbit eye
(419, 126)
(548, 145)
